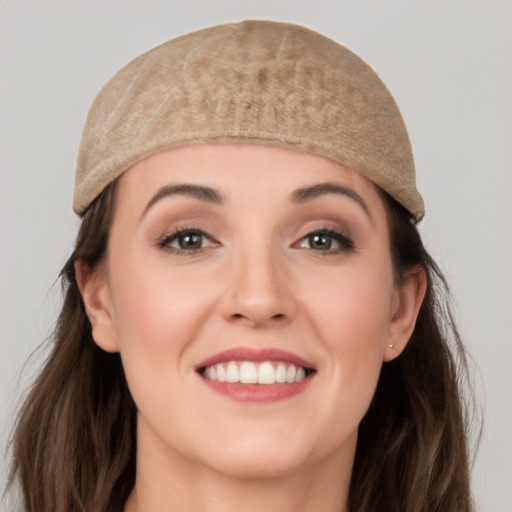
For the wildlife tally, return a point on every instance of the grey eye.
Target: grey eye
(320, 241)
(328, 241)
(188, 241)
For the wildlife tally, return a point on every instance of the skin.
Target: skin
(256, 281)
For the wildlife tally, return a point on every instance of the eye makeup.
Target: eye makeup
(326, 241)
(187, 241)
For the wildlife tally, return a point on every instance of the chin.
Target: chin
(266, 454)
(261, 464)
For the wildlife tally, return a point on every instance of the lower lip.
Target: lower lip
(257, 392)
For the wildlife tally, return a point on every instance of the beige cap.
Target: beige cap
(256, 82)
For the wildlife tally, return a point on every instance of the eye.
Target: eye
(326, 240)
(187, 241)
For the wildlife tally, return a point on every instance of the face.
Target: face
(250, 293)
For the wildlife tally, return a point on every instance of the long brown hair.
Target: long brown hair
(74, 446)
(412, 452)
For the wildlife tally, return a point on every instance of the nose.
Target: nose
(259, 292)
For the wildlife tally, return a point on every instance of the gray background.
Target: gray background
(448, 64)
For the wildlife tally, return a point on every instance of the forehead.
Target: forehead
(260, 185)
(237, 167)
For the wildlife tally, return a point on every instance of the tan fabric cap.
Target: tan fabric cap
(256, 82)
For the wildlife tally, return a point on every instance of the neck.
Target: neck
(166, 483)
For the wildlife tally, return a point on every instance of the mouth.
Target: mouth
(249, 372)
(252, 375)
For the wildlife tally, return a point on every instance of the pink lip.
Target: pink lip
(256, 356)
(262, 393)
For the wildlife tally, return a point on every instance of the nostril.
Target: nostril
(240, 316)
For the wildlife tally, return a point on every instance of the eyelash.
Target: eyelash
(346, 244)
(166, 241)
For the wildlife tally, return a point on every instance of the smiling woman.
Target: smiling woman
(251, 321)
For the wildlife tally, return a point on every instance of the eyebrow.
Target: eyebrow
(302, 195)
(206, 194)
(214, 196)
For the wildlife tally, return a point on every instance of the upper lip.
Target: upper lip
(255, 355)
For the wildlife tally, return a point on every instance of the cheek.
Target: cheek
(155, 312)
(157, 316)
(351, 315)
(352, 307)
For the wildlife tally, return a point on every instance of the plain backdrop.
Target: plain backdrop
(448, 64)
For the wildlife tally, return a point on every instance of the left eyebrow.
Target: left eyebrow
(302, 195)
(202, 193)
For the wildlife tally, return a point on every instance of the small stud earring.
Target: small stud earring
(391, 345)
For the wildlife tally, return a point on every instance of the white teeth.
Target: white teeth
(221, 373)
(300, 375)
(281, 373)
(248, 372)
(266, 374)
(232, 373)
(290, 374)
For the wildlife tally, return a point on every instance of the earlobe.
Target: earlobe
(410, 295)
(95, 293)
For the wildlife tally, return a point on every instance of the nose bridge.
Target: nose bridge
(259, 291)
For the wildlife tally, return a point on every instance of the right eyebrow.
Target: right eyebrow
(201, 192)
(302, 195)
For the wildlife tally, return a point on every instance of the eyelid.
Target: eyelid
(346, 243)
(164, 241)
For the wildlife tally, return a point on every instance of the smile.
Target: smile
(247, 372)
(256, 375)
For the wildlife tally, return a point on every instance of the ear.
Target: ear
(409, 297)
(94, 288)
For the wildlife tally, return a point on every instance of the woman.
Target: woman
(251, 321)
